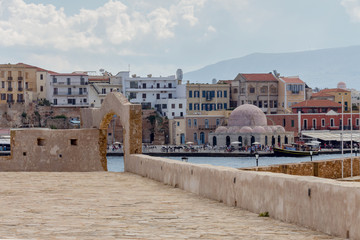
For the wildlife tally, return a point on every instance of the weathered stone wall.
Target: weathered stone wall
(324, 168)
(54, 150)
(322, 204)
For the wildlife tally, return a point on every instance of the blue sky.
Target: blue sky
(160, 36)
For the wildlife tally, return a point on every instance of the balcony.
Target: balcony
(10, 89)
(10, 78)
(20, 101)
(20, 78)
(20, 89)
(207, 127)
(10, 101)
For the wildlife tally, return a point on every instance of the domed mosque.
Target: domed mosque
(247, 125)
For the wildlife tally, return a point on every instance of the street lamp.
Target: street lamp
(311, 153)
(257, 158)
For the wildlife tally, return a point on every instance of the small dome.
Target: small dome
(246, 129)
(341, 85)
(280, 129)
(268, 129)
(259, 129)
(233, 129)
(221, 129)
(247, 115)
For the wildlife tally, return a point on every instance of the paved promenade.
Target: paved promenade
(104, 205)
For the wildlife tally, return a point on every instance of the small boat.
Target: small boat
(294, 150)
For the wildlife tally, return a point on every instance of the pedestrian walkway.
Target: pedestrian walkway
(103, 205)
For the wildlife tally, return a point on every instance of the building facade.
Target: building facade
(68, 90)
(260, 90)
(292, 90)
(202, 98)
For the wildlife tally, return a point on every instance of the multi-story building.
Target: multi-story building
(198, 127)
(316, 106)
(259, 89)
(22, 83)
(68, 89)
(177, 130)
(202, 98)
(341, 96)
(292, 90)
(155, 92)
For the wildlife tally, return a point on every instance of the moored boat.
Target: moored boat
(292, 152)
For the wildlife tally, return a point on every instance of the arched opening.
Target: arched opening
(273, 140)
(202, 137)
(266, 140)
(240, 140)
(152, 137)
(286, 140)
(195, 138)
(227, 141)
(252, 140)
(279, 140)
(182, 138)
(214, 141)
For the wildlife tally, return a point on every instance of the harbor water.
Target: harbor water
(116, 163)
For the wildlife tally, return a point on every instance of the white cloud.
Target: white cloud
(113, 23)
(211, 29)
(352, 7)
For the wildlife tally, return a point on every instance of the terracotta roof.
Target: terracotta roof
(258, 77)
(316, 103)
(321, 94)
(68, 74)
(292, 80)
(37, 68)
(334, 90)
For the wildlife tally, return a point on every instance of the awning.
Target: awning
(333, 135)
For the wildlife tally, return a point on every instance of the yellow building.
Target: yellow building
(22, 83)
(207, 97)
(177, 131)
(341, 96)
(292, 90)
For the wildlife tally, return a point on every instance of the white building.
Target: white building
(100, 86)
(68, 89)
(156, 92)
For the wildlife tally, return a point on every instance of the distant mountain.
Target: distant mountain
(318, 68)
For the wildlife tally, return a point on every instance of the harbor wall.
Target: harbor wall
(323, 168)
(76, 150)
(322, 204)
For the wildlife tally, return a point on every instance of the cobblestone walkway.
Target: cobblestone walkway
(104, 205)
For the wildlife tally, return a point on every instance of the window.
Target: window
(68, 80)
(195, 122)
(190, 94)
(314, 123)
(164, 106)
(206, 123)
(189, 122)
(158, 96)
(54, 80)
(41, 142)
(71, 101)
(132, 95)
(3, 84)
(332, 122)
(190, 106)
(225, 94)
(260, 104)
(284, 122)
(265, 104)
(69, 91)
(357, 121)
(180, 105)
(252, 90)
(323, 122)
(55, 101)
(55, 91)
(144, 95)
(170, 95)
(225, 105)
(219, 106)
(82, 81)
(173, 106)
(196, 106)
(181, 114)
(196, 94)
(73, 142)
(292, 123)
(173, 114)
(41, 88)
(178, 123)
(80, 91)
(3, 96)
(219, 94)
(217, 122)
(195, 138)
(144, 85)
(170, 85)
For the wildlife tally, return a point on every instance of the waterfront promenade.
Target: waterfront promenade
(103, 205)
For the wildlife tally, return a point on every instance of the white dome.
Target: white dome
(246, 129)
(233, 129)
(259, 129)
(247, 115)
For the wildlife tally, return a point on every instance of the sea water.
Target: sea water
(116, 163)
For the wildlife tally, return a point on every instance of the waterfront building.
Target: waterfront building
(292, 90)
(68, 89)
(177, 131)
(199, 127)
(203, 98)
(248, 125)
(22, 83)
(341, 96)
(316, 106)
(259, 89)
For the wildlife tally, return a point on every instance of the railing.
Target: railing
(207, 127)
(20, 100)
(20, 78)
(346, 127)
(20, 89)
(10, 89)
(10, 78)
(10, 101)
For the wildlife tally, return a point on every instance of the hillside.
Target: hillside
(318, 68)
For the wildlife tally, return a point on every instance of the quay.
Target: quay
(104, 205)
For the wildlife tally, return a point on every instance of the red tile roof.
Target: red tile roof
(316, 103)
(292, 80)
(259, 77)
(37, 68)
(321, 94)
(333, 90)
(68, 74)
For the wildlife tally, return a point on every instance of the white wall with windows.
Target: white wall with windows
(68, 90)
